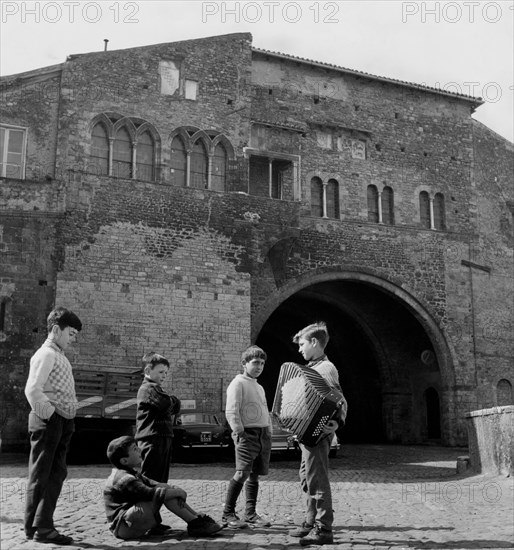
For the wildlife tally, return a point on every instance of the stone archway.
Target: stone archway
(379, 334)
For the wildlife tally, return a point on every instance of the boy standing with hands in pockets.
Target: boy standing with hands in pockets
(50, 391)
(248, 416)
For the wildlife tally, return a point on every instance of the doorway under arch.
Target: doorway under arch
(433, 413)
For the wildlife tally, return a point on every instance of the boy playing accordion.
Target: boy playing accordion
(314, 480)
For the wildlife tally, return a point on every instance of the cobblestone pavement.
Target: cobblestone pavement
(385, 497)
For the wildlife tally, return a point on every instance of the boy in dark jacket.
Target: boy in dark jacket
(154, 419)
(132, 501)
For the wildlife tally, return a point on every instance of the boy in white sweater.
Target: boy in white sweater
(248, 416)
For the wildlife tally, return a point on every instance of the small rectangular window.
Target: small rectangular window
(12, 152)
(191, 89)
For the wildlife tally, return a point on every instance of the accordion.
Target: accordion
(304, 402)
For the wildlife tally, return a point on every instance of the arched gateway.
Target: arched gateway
(387, 347)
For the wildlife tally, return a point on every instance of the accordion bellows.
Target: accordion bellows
(304, 402)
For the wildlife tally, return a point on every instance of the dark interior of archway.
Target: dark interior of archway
(350, 348)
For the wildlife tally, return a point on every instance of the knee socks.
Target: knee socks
(252, 490)
(233, 492)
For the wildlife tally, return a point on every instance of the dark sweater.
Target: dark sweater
(155, 411)
(124, 488)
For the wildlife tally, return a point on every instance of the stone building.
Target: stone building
(197, 196)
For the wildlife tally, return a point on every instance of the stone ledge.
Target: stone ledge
(506, 409)
(491, 440)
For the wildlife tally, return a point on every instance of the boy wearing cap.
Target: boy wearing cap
(132, 501)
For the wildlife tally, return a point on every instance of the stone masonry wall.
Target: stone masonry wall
(186, 271)
(30, 244)
(167, 269)
(414, 141)
(128, 83)
(141, 288)
(31, 100)
(493, 264)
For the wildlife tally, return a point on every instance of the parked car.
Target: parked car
(284, 441)
(200, 430)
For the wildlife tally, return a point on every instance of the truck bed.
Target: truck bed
(104, 392)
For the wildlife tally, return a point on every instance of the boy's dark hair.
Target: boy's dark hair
(152, 359)
(63, 318)
(118, 449)
(253, 352)
(316, 330)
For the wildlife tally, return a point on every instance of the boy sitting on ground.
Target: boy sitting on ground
(132, 501)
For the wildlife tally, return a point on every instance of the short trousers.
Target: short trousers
(137, 520)
(253, 450)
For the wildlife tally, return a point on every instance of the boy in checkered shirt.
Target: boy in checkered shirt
(50, 391)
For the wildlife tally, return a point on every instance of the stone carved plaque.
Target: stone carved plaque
(170, 77)
(358, 149)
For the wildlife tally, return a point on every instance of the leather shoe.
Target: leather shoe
(52, 537)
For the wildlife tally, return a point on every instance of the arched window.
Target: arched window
(199, 166)
(316, 197)
(504, 393)
(122, 155)
(145, 157)
(99, 163)
(332, 199)
(219, 168)
(178, 162)
(439, 214)
(372, 194)
(388, 206)
(424, 209)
